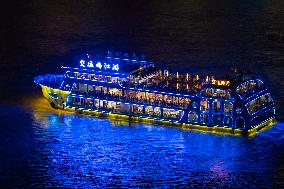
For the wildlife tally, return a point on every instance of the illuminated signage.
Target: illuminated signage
(82, 63)
(105, 66)
(115, 67)
(90, 64)
(220, 82)
(99, 65)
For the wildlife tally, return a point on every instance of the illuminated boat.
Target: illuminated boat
(120, 86)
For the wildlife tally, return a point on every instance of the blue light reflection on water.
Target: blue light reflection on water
(42, 148)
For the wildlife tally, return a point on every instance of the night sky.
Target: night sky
(208, 36)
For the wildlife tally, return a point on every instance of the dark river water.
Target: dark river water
(41, 147)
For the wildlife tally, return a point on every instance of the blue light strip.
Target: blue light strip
(273, 117)
(93, 80)
(61, 84)
(220, 99)
(96, 74)
(264, 110)
(256, 94)
(93, 71)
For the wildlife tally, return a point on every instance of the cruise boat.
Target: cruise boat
(129, 87)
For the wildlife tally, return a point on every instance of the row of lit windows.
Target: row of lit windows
(249, 87)
(216, 119)
(258, 103)
(123, 108)
(216, 106)
(215, 93)
(91, 77)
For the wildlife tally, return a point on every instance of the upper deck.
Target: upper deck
(135, 73)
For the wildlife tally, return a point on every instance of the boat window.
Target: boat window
(217, 120)
(157, 111)
(204, 118)
(83, 88)
(228, 107)
(75, 101)
(175, 99)
(204, 105)
(184, 102)
(115, 91)
(194, 105)
(88, 103)
(137, 109)
(228, 121)
(216, 106)
(125, 108)
(149, 110)
(215, 93)
(87, 76)
(259, 103)
(111, 106)
(192, 117)
(168, 99)
(240, 122)
(171, 113)
(96, 103)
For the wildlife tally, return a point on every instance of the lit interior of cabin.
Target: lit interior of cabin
(259, 103)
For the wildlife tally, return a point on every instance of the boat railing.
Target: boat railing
(49, 80)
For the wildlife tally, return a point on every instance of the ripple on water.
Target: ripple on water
(50, 148)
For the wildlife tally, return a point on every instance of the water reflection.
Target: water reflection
(81, 151)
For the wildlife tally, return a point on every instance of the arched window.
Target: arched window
(228, 107)
(157, 111)
(240, 122)
(149, 110)
(216, 106)
(204, 118)
(217, 120)
(194, 105)
(228, 121)
(192, 117)
(204, 105)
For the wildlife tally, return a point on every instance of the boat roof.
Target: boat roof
(109, 65)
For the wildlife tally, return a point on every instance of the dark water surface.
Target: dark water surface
(41, 147)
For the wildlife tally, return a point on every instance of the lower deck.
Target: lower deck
(200, 115)
(196, 127)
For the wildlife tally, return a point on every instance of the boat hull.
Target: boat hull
(59, 103)
(55, 97)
